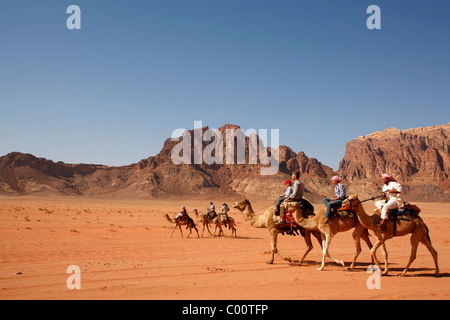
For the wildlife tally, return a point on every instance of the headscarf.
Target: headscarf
(336, 178)
(387, 176)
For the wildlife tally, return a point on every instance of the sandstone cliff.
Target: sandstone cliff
(418, 158)
(158, 176)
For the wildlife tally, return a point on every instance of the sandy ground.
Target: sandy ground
(123, 250)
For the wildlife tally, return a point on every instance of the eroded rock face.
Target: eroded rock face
(418, 158)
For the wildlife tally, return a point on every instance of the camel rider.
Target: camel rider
(183, 214)
(223, 215)
(297, 192)
(392, 190)
(297, 188)
(336, 201)
(211, 211)
(287, 193)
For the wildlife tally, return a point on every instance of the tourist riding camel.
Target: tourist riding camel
(336, 201)
(413, 224)
(286, 194)
(268, 220)
(392, 191)
(296, 195)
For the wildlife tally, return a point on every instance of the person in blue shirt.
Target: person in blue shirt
(336, 201)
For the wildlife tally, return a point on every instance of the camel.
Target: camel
(398, 228)
(189, 223)
(206, 221)
(329, 230)
(267, 220)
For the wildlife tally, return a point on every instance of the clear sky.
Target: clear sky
(112, 92)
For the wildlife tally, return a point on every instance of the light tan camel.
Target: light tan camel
(189, 223)
(416, 227)
(329, 230)
(268, 220)
(206, 221)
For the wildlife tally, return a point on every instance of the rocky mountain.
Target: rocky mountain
(159, 176)
(419, 159)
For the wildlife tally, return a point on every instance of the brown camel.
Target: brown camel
(398, 228)
(268, 220)
(206, 221)
(329, 230)
(189, 223)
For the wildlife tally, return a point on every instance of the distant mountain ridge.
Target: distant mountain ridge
(419, 158)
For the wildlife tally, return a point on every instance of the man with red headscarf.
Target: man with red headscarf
(392, 190)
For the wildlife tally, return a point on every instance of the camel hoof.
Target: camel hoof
(269, 262)
(320, 269)
(342, 263)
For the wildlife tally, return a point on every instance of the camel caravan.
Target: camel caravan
(219, 220)
(294, 215)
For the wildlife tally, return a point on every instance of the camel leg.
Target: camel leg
(357, 240)
(359, 234)
(324, 251)
(181, 231)
(197, 231)
(207, 228)
(385, 257)
(203, 229)
(233, 230)
(309, 245)
(214, 233)
(221, 232)
(365, 237)
(274, 250)
(173, 230)
(329, 255)
(426, 241)
(373, 252)
(415, 238)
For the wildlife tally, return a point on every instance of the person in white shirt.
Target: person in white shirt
(392, 190)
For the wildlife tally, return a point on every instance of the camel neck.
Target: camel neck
(309, 224)
(366, 220)
(256, 221)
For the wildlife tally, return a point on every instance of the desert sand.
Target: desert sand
(123, 250)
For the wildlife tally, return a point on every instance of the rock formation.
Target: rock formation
(419, 158)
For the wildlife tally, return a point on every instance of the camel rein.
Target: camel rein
(373, 199)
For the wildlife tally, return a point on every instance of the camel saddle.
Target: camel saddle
(405, 213)
(289, 226)
(344, 212)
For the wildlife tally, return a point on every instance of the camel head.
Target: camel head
(241, 205)
(351, 201)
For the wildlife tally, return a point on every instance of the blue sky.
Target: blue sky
(112, 92)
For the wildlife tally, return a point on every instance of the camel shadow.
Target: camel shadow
(429, 273)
